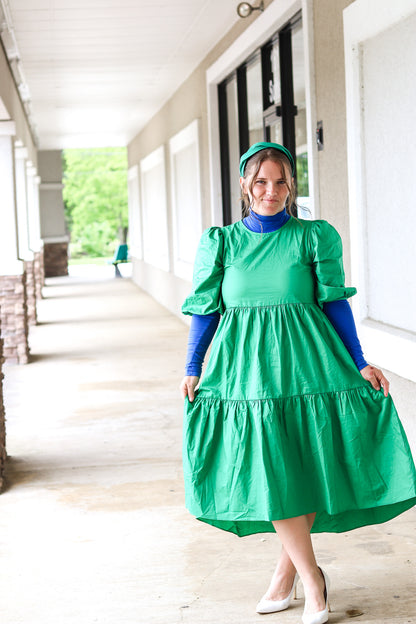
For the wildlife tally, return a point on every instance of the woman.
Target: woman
(290, 429)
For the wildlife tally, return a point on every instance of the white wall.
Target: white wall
(389, 137)
(9, 262)
(380, 60)
(21, 155)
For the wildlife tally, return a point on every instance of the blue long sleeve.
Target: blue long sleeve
(203, 328)
(340, 315)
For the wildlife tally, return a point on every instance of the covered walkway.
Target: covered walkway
(92, 524)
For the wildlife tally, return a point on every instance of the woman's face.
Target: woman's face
(270, 190)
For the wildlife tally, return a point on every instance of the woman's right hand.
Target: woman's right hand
(187, 387)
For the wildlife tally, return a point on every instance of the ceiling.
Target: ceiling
(97, 70)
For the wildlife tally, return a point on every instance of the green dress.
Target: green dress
(283, 423)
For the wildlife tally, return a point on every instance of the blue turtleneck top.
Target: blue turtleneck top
(261, 223)
(339, 313)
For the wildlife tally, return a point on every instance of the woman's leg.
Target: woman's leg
(282, 580)
(294, 533)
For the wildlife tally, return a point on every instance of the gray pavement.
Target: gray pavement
(92, 524)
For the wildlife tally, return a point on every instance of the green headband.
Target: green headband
(257, 147)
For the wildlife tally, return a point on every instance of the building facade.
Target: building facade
(330, 79)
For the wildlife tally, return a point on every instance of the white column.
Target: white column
(33, 182)
(9, 255)
(21, 155)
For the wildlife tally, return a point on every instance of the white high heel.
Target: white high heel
(321, 617)
(271, 606)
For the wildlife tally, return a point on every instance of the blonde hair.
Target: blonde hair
(251, 172)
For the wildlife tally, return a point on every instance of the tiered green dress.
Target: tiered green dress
(283, 423)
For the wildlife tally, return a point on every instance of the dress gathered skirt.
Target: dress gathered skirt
(283, 424)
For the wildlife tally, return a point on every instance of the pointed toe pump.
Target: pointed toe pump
(321, 617)
(272, 606)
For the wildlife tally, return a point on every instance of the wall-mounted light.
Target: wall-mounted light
(245, 9)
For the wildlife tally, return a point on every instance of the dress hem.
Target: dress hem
(380, 515)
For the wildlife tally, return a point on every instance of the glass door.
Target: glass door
(302, 169)
(264, 100)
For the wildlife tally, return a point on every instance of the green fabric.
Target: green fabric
(283, 423)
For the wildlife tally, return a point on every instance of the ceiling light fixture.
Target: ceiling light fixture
(245, 9)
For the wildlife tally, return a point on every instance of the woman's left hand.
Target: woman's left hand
(376, 378)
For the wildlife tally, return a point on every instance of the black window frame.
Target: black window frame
(287, 111)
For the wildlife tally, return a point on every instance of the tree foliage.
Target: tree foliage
(302, 181)
(95, 197)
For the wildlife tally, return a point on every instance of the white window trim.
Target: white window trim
(136, 230)
(148, 163)
(385, 345)
(272, 19)
(187, 137)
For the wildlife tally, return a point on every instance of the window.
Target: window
(254, 101)
(154, 204)
(264, 100)
(186, 198)
(135, 230)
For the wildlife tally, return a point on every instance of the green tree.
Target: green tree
(302, 181)
(95, 197)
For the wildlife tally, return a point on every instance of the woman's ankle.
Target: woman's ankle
(314, 589)
(281, 584)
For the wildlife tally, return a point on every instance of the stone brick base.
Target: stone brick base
(55, 259)
(31, 292)
(39, 273)
(13, 318)
(2, 422)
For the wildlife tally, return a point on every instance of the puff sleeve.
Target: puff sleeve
(205, 297)
(326, 248)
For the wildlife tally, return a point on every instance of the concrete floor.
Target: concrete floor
(92, 524)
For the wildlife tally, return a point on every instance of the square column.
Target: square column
(3, 454)
(52, 214)
(25, 253)
(35, 241)
(13, 299)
